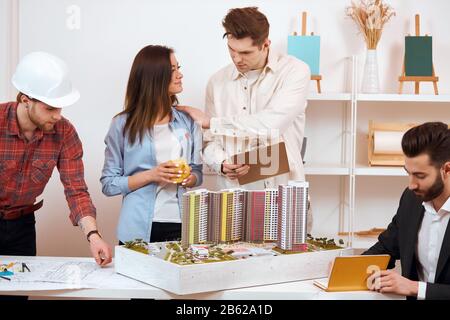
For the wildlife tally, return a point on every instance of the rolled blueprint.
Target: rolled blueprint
(387, 142)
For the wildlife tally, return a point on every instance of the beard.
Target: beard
(433, 192)
(47, 127)
(44, 126)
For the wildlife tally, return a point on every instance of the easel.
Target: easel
(417, 79)
(314, 77)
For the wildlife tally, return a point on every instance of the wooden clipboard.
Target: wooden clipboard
(264, 162)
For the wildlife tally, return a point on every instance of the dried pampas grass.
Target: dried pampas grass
(370, 17)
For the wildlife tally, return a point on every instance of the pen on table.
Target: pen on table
(5, 278)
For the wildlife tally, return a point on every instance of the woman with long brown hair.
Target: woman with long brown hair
(141, 145)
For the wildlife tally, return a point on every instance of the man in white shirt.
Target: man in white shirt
(419, 234)
(259, 99)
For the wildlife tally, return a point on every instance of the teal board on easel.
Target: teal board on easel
(418, 56)
(307, 49)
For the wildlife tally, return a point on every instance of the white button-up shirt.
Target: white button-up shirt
(242, 111)
(429, 243)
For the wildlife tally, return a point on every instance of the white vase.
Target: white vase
(370, 77)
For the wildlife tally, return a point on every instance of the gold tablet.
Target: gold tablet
(351, 273)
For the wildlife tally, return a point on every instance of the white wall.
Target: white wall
(9, 46)
(4, 39)
(111, 32)
(3, 44)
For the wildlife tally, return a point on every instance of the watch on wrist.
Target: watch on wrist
(90, 233)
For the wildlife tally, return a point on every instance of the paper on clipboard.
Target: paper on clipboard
(264, 162)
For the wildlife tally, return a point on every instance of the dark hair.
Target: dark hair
(432, 138)
(147, 98)
(19, 97)
(246, 22)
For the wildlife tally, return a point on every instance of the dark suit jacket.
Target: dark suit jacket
(400, 242)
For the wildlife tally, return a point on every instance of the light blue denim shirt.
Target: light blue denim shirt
(123, 160)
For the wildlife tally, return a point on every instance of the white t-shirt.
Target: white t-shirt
(251, 77)
(167, 147)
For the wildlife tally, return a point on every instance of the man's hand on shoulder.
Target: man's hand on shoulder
(197, 115)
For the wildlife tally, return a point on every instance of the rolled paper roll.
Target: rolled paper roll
(387, 142)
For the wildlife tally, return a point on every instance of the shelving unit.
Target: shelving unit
(354, 174)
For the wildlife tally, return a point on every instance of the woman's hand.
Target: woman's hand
(165, 172)
(190, 181)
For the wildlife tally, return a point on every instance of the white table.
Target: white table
(126, 288)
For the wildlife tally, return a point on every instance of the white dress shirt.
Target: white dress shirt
(244, 108)
(429, 243)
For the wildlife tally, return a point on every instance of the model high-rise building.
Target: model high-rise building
(214, 216)
(254, 205)
(292, 215)
(271, 215)
(260, 215)
(194, 227)
(231, 207)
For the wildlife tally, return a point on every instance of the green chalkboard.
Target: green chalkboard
(418, 56)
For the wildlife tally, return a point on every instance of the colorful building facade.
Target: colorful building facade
(270, 215)
(292, 216)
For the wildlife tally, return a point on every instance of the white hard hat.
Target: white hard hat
(44, 77)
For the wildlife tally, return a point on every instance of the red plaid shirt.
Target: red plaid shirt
(26, 167)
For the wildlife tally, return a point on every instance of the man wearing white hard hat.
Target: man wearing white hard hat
(34, 138)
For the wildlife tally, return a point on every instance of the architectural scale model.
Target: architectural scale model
(270, 215)
(226, 236)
